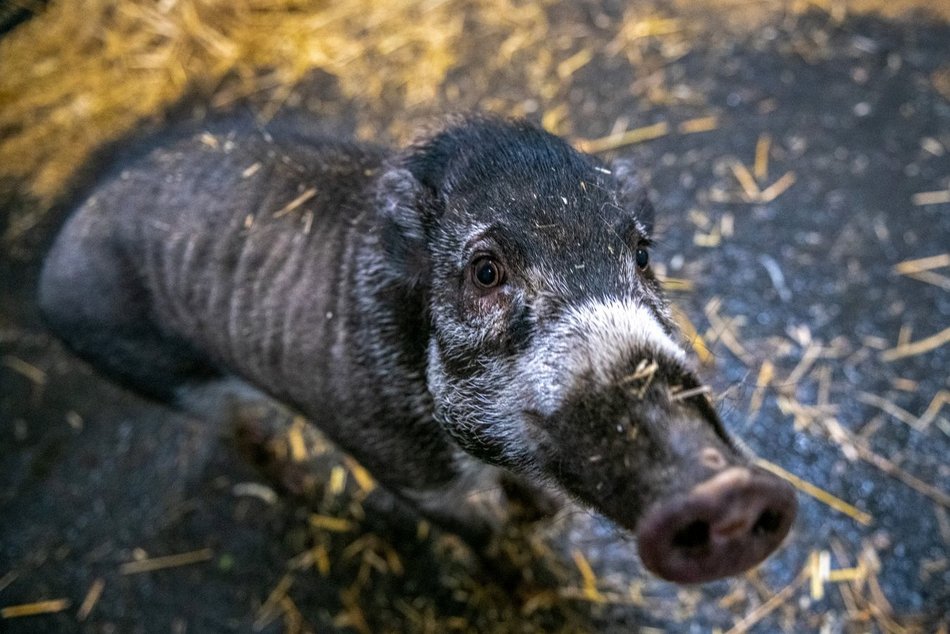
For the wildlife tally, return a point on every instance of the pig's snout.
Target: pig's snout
(722, 527)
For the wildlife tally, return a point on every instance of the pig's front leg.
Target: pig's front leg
(472, 506)
(493, 511)
(477, 504)
(483, 501)
(528, 501)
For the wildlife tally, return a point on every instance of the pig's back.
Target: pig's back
(243, 243)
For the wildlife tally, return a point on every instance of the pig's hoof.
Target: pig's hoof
(722, 527)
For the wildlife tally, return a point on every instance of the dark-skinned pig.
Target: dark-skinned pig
(478, 303)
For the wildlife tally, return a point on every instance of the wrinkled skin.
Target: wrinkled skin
(479, 303)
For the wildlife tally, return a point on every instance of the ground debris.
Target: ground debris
(699, 124)
(92, 597)
(751, 182)
(168, 561)
(762, 382)
(779, 598)
(931, 198)
(692, 336)
(817, 492)
(918, 265)
(269, 609)
(625, 138)
(33, 609)
(920, 423)
(332, 524)
(590, 591)
(255, 489)
(7, 579)
(726, 331)
(915, 348)
(34, 374)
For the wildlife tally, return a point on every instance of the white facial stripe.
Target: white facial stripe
(616, 326)
(592, 337)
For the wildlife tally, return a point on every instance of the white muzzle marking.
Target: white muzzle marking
(594, 337)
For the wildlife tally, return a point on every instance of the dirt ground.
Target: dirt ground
(800, 163)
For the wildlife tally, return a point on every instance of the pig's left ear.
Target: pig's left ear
(401, 200)
(633, 192)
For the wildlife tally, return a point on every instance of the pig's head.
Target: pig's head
(552, 350)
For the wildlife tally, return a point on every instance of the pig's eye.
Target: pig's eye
(487, 272)
(643, 257)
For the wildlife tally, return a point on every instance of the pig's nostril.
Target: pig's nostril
(693, 535)
(769, 521)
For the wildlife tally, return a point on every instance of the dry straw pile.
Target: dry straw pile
(85, 72)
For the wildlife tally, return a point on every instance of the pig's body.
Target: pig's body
(190, 264)
(480, 295)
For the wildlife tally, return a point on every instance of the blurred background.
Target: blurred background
(799, 157)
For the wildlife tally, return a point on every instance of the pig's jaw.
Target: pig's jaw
(481, 412)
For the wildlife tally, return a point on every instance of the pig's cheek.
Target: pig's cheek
(488, 311)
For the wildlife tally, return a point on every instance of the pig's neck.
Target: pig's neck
(394, 334)
(382, 409)
(361, 363)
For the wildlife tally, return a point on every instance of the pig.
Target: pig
(478, 304)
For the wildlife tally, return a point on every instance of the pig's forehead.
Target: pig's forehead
(568, 200)
(566, 220)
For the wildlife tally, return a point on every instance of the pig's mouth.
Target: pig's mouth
(722, 527)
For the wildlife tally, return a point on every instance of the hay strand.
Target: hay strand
(169, 561)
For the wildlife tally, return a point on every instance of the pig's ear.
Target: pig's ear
(633, 191)
(401, 200)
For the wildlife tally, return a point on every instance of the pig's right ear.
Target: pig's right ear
(402, 201)
(633, 191)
